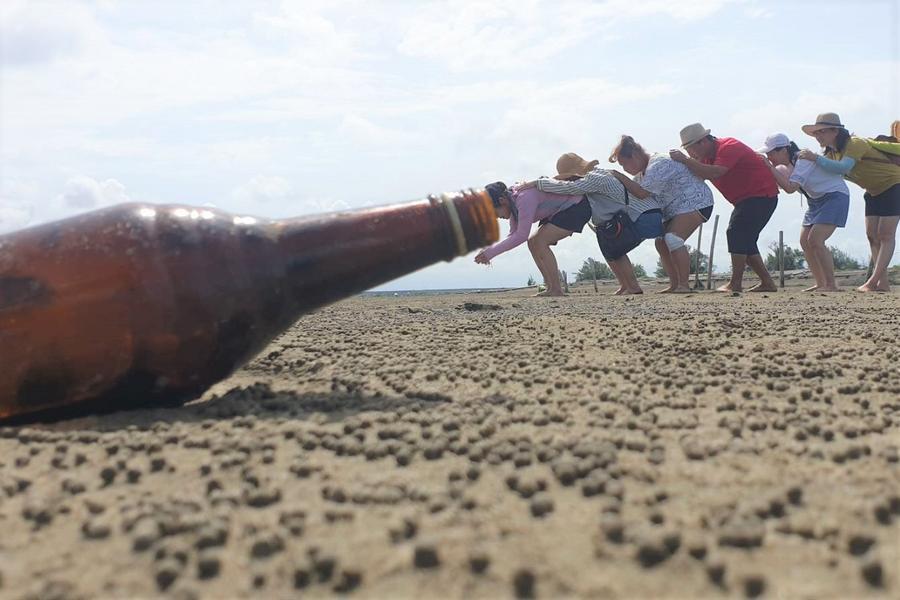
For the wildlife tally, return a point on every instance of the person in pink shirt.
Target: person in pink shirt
(558, 217)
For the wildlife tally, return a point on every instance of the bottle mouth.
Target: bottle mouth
(472, 218)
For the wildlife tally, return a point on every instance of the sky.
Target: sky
(290, 108)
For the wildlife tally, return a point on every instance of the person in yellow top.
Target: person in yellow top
(870, 169)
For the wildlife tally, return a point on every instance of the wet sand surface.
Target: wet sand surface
(492, 445)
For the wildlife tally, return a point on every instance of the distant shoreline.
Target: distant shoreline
(438, 292)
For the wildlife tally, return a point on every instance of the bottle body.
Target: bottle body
(142, 305)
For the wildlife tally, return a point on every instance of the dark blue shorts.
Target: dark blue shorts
(747, 221)
(573, 218)
(885, 204)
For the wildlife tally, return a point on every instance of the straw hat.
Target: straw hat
(571, 165)
(692, 134)
(823, 121)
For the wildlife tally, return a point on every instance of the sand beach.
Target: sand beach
(492, 445)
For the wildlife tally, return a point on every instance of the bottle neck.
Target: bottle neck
(330, 257)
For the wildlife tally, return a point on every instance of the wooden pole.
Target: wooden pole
(565, 282)
(781, 257)
(712, 247)
(594, 272)
(697, 284)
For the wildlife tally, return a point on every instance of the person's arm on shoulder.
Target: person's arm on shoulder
(558, 186)
(838, 167)
(782, 175)
(701, 170)
(633, 187)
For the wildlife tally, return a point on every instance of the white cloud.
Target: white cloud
(262, 189)
(361, 130)
(304, 26)
(14, 217)
(282, 197)
(505, 34)
(567, 106)
(85, 193)
(35, 31)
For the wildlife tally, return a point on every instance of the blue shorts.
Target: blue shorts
(830, 209)
(650, 224)
(647, 226)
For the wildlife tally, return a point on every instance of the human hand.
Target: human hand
(482, 259)
(526, 185)
(678, 156)
(807, 155)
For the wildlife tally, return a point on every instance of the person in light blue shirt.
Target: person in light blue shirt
(828, 204)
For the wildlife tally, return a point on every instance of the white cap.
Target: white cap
(776, 140)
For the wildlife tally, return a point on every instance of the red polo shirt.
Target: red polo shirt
(747, 176)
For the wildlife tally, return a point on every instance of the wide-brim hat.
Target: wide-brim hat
(571, 165)
(823, 121)
(693, 133)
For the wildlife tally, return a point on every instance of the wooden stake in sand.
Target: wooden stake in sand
(565, 281)
(697, 284)
(712, 247)
(594, 273)
(781, 257)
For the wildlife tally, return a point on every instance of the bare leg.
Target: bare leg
(738, 262)
(824, 261)
(542, 267)
(683, 226)
(666, 259)
(812, 259)
(616, 267)
(874, 245)
(885, 235)
(539, 245)
(625, 273)
(766, 284)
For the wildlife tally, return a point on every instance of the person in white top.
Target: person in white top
(685, 200)
(829, 203)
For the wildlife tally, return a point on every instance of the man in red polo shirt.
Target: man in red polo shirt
(747, 183)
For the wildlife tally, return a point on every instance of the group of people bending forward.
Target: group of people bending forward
(666, 199)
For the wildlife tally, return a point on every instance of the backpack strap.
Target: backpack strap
(890, 159)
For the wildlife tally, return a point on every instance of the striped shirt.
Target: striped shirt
(605, 193)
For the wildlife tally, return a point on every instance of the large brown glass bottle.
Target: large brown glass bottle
(140, 305)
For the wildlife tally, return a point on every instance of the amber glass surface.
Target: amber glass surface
(150, 305)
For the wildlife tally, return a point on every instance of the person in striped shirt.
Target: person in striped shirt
(607, 196)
